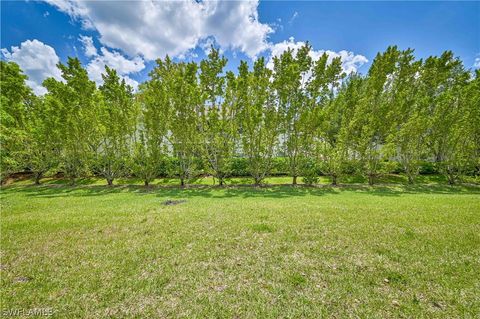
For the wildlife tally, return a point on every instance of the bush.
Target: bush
(239, 166)
(393, 167)
(167, 166)
(428, 168)
(280, 166)
(310, 172)
(350, 167)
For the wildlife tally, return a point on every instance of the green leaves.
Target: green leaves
(258, 118)
(200, 119)
(117, 114)
(16, 97)
(218, 128)
(76, 101)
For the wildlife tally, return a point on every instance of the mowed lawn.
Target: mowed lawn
(280, 252)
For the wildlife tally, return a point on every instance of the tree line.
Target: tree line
(190, 119)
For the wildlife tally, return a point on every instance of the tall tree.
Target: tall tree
(117, 115)
(183, 107)
(16, 97)
(328, 113)
(218, 127)
(443, 79)
(472, 96)
(406, 141)
(373, 116)
(76, 99)
(259, 119)
(151, 144)
(43, 140)
(290, 78)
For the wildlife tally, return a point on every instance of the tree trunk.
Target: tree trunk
(38, 176)
(410, 179)
(294, 181)
(220, 181)
(110, 181)
(334, 180)
(146, 182)
(451, 180)
(450, 176)
(182, 182)
(371, 180)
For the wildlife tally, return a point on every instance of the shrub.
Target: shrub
(427, 168)
(310, 172)
(280, 166)
(394, 167)
(239, 166)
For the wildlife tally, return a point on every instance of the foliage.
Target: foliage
(183, 109)
(297, 116)
(258, 118)
(43, 144)
(76, 100)
(218, 128)
(16, 97)
(117, 119)
(290, 80)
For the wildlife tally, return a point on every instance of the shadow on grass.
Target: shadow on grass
(79, 182)
(51, 191)
(245, 191)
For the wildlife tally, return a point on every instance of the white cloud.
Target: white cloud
(294, 16)
(277, 25)
(476, 64)
(206, 45)
(117, 61)
(156, 28)
(350, 61)
(37, 60)
(190, 54)
(89, 48)
(131, 82)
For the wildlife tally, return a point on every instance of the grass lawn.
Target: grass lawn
(280, 252)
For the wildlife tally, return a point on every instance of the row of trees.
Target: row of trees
(309, 112)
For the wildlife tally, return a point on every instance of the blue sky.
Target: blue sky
(133, 34)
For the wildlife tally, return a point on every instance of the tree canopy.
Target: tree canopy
(191, 119)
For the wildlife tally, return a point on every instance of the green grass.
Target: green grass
(280, 252)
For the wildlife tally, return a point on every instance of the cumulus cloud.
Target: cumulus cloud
(207, 44)
(156, 28)
(115, 60)
(89, 49)
(476, 64)
(37, 60)
(350, 61)
(277, 25)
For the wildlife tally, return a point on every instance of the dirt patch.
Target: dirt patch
(171, 202)
(22, 279)
(19, 176)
